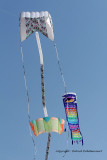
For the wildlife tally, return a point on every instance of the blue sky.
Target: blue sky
(80, 29)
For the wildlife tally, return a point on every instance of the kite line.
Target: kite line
(58, 60)
(65, 87)
(27, 94)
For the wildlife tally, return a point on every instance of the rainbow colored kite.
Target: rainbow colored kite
(70, 104)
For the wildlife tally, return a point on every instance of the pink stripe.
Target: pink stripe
(40, 119)
(54, 118)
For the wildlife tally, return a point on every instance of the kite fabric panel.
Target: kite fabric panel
(47, 124)
(36, 21)
(70, 105)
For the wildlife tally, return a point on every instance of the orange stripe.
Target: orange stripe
(32, 128)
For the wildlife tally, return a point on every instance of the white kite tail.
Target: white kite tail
(42, 74)
(43, 89)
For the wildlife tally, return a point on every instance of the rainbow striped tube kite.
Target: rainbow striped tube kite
(47, 124)
(70, 104)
